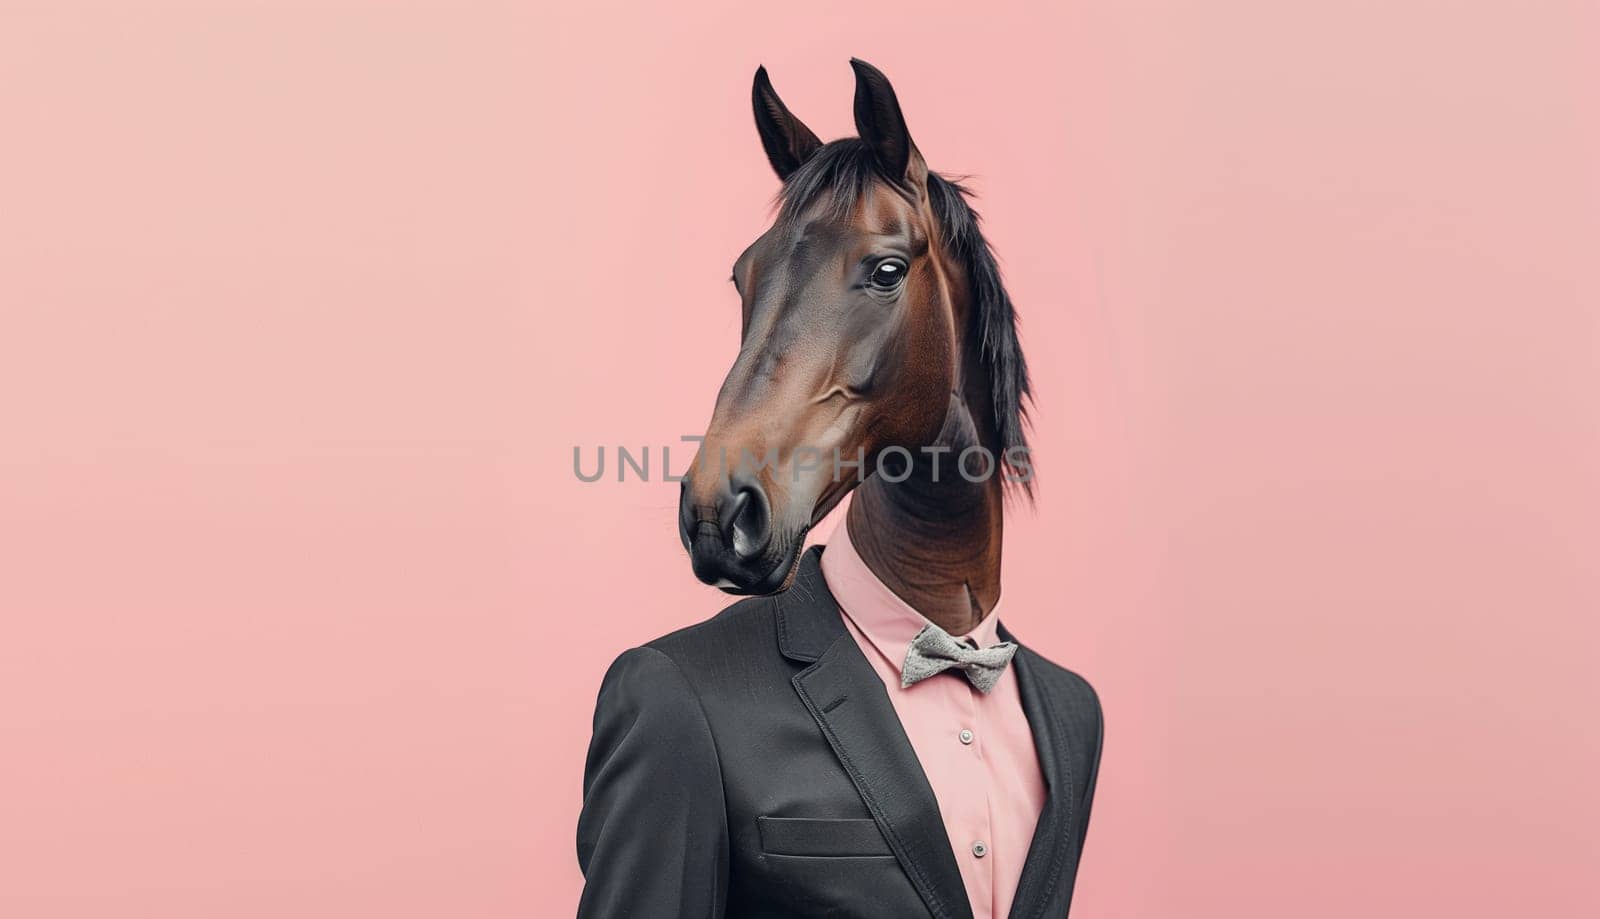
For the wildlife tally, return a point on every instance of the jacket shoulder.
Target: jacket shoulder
(1082, 703)
(673, 675)
(732, 645)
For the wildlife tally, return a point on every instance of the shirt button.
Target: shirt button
(979, 849)
(966, 736)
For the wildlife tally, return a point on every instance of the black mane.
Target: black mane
(839, 175)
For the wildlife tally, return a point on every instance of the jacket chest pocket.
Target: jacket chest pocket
(822, 837)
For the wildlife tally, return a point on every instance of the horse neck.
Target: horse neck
(935, 537)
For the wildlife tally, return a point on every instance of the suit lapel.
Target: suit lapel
(1039, 891)
(848, 701)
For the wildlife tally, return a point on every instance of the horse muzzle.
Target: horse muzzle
(729, 535)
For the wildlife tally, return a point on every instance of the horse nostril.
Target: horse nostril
(749, 522)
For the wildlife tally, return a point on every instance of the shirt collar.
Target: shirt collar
(887, 621)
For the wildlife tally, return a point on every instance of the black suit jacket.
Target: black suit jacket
(753, 765)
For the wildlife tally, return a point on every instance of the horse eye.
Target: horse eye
(888, 274)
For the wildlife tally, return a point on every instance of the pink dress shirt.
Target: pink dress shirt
(976, 749)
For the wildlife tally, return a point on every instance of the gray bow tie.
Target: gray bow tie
(934, 651)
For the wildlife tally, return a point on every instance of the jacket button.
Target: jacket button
(979, 849)
(966, 736)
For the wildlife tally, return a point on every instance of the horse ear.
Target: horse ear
(788, 142)
(880, 124)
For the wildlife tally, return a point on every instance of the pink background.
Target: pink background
(304, 306)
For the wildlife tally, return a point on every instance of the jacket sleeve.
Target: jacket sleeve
(1094, 771)
(652, 836)
(1085, 707)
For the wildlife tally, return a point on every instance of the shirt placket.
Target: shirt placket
(976, 818)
